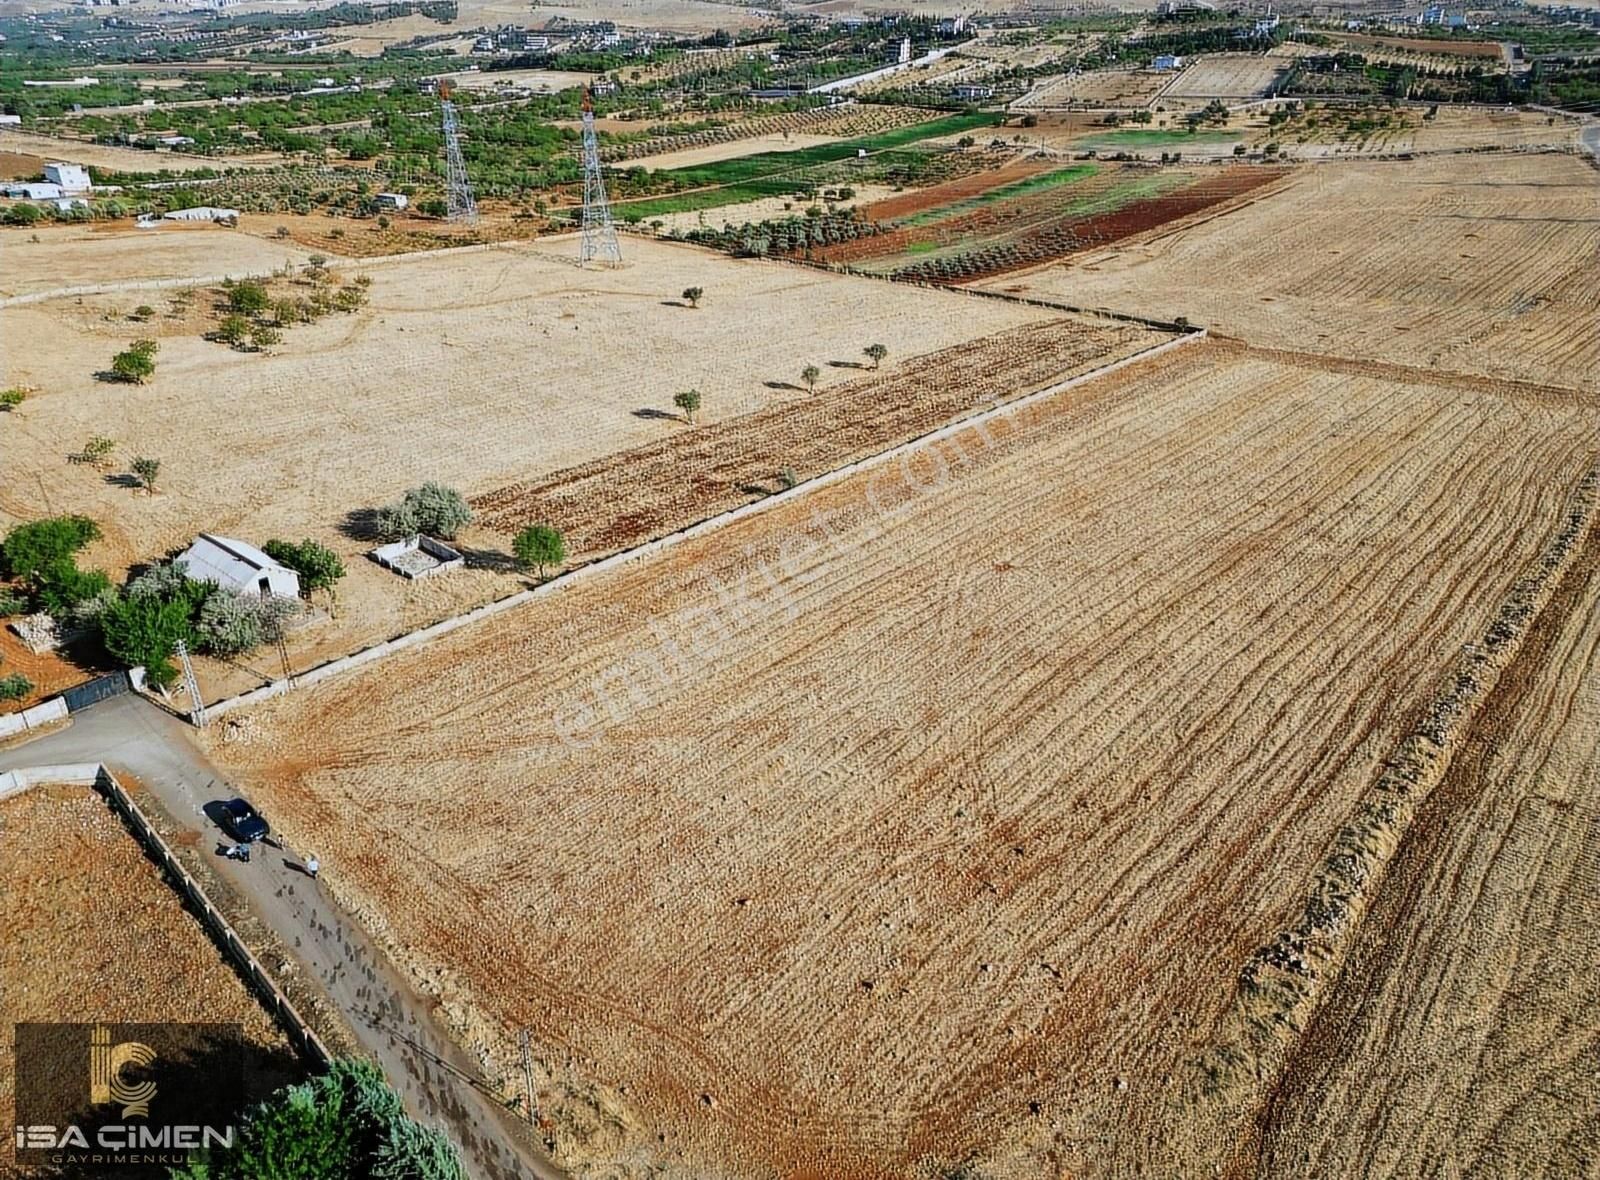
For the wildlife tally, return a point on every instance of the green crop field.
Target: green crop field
(1156, 139)
(1019, 188)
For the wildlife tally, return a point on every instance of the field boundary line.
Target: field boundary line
(254, 974)
(646, 549)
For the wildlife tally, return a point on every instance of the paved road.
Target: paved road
(389, 1020)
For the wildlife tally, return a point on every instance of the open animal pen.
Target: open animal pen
(931, 818)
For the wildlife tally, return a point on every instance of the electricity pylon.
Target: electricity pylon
(599, 235)
(458, 197)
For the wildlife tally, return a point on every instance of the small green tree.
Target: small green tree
(689, 402)
(876, 353)
(134, 366)
(145, 632)
(143, 312)
(234, 330)
(14, 688)
(809, 375)
(285, 312)
(319, 567)
(693, 295)
(35, 546)
(62, 588)
(539, 545)
(97, 451)
(11, 398)
(263, 337)
(147, 468)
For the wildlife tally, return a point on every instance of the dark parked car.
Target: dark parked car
(241, 821)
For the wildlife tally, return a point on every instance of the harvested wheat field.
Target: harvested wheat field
(113, 253)
(1479, 264)
(479, 370)
(1462, 1037)
(1227, 75)
(932, 817)
(93, 932)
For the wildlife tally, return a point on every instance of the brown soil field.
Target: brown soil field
(115, 252)
(732, 150)
(951, 191)
(78, 151)
(1440, 46)
(482, 370)
(1478, 264)
(20, 166)
(93, 932)
(928, 819)
(1100, 88)
(48, 672)
(631, 497)
(1461, 1037)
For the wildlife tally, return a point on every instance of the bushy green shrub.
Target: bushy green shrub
(432, 509)
(39, 544)
(318, 566)
(14, 688)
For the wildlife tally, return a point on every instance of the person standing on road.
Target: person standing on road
(311, 867)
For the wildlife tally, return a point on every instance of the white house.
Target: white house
(10, 120)
(392, 200)
(73, 178)
(1167, 61)
(238, 566)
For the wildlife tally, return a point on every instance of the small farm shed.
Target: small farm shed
(203, 213)
(73, 178)
(238, 566)
(392, 201)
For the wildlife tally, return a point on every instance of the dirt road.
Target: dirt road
(400, 1031)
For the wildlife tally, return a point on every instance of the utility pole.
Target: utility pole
(197, 706)
(527, 1074)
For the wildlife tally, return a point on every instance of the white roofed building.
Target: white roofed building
(238, 566)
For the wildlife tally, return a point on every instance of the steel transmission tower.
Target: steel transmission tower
(599, 235)
(459, 198)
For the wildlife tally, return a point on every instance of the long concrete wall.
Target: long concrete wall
(711, 524)
(44, 714)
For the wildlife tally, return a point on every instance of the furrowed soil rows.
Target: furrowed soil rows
(1227, 75)
(1462, 1032)
(1480, 264)
(629, 498)
(928, 818)
(93, 932)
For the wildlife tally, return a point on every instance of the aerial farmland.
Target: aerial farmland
(666, 592)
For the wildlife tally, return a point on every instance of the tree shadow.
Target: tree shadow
(361, 524)
(655, 415)
(486, 559)
(755, 489)
(125, 480)
(673, 303)
(788, 385)
(108, 377)
(847, 365)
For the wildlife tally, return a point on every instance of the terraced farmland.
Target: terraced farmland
(929, 819)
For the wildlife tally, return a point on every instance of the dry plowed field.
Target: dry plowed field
(931, 817)
(1227, 75)
(1463, 1035)
(624, 499)
(479, 370)
(93, 932)
(1482, 264)
(1099, 88)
